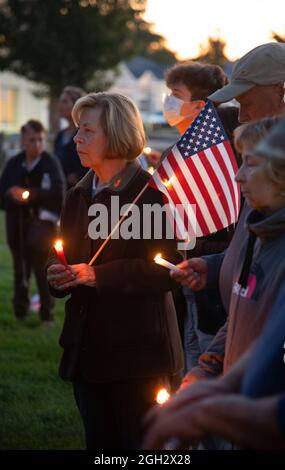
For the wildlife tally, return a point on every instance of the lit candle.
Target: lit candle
(147, 150)
(58, 248)
(167, 183)
(162, 396)
(25, 195)
(159, 260)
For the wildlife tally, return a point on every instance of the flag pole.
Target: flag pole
(117, 225)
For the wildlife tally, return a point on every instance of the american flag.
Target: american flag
(199, 170)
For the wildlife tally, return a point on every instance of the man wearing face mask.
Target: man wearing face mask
(190, 84)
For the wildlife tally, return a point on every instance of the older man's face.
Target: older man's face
(261, 101)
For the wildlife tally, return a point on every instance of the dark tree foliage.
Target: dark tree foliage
(278, 37)
(62, 42)
(213, 52)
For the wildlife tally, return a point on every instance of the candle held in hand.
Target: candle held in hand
(162, 262)
(162, 396)
(58, 248)
(147, 150)
(25, 195)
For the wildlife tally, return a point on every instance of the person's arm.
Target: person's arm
(127, 277)
(211, 361)
(214, 263)
(250, 423)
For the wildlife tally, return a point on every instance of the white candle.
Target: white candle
(159, 260)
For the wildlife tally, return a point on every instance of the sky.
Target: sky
(244, 24)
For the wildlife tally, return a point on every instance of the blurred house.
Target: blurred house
(143, 80)
(18, 103)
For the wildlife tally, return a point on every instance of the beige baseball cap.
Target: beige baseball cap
(263, 65)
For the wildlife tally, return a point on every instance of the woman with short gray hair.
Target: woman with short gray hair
(120, 337)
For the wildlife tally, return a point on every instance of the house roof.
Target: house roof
(138, 65)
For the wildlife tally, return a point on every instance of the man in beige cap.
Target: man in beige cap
(257, 83)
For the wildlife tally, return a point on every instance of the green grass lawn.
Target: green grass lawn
(37, 410)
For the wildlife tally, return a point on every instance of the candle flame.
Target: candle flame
(151, 170)
(25, 194)
(167, 183)
(157, 257)
(147, 150)
(162, 396)
(58, 245)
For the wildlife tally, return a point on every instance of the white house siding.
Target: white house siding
(26, 105)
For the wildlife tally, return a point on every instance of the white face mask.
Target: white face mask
(172, 110)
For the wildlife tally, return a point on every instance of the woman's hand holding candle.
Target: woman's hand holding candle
(59, 275)
(191, 273)
(19, 194)
(61, 278)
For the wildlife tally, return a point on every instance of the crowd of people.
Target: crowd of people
(210, 331)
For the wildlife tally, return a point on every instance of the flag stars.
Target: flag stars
(203, 133)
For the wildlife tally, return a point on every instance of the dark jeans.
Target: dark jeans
(112, 413)
(24, 262)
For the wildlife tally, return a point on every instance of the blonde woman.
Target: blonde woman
(120, 337)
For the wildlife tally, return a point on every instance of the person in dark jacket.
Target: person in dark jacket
(190, 84)
(64, 146)
(120, 337)
(31, 193)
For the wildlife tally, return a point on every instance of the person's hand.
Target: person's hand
(192, 273)
(153, 157)
(169, 420)
(249, 422)
(82, 274)
(58, 275)
(16, 192)
(181, 428)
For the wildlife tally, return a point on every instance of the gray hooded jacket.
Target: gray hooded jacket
(250, 276)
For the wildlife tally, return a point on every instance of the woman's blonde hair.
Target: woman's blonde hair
(120, 120)
(251, 134)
